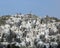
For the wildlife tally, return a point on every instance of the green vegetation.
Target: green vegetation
(3, 19)
(52, 18)
(57, 20)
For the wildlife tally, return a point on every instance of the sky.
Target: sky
(38, 7)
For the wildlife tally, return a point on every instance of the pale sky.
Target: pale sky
(38, 7)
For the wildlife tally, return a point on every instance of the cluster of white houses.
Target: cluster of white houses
(27, 30)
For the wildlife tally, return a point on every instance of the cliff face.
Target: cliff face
(30, 30)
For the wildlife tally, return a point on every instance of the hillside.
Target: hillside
(6, 17)
(29, 31)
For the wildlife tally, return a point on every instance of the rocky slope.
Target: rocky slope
(30, 31)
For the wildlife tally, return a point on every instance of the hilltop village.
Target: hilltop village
(29, 31)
